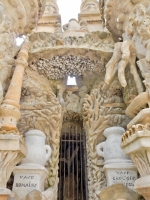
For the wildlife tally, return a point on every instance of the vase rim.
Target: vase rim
(35, 132)
(113, 129)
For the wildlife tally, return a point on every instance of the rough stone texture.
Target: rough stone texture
(101, 110)
(61, 66)
(51, 19)
(40, 110)
(16, 18)
(89, 12)
(35, 194)
(118, 192)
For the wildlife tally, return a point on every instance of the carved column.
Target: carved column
(9, 110)
(12, 145)
(136, 143)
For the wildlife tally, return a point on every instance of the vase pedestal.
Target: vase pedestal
(121, 173)
(28, 178)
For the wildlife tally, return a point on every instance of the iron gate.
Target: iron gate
(73, 183)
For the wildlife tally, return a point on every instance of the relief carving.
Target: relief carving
(41, 110)
(95, 40)
(61, 66)
(100, 112)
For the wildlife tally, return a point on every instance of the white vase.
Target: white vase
(38, 152)
(110, 149)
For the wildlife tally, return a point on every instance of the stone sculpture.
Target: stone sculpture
(134, 23)
(108, 50)
(96, 122)
(135, 143)
(31, 174)
(118, 167)
(9, 117)
(13, 22)
(118, 192)
(38, 152)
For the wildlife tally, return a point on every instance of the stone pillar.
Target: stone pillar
(136, 144)
(14, 91)
(12, 145)
(10, 113)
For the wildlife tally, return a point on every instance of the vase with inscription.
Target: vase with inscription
(38, 152)
(118, 167)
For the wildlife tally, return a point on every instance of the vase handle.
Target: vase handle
(99, 149)
(48, 152)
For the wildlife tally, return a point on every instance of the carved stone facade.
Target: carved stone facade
(108, 51)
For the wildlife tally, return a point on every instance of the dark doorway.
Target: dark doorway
(72, 165)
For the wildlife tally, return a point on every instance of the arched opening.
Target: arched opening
(72, 164)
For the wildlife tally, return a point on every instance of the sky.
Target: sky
(68, 9)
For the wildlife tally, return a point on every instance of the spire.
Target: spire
(50, 18)
(89, 6)
(89, 11)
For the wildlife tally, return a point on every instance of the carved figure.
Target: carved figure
(126, 52)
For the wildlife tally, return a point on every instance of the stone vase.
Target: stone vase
(38, 152)
(110, 149)
(118, 167)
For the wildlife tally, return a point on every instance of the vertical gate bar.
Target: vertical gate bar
(73, 161)
(68, 152)
(81, 163)
(64, 166)
(85, 167)
(77, 160)
(60, 163)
